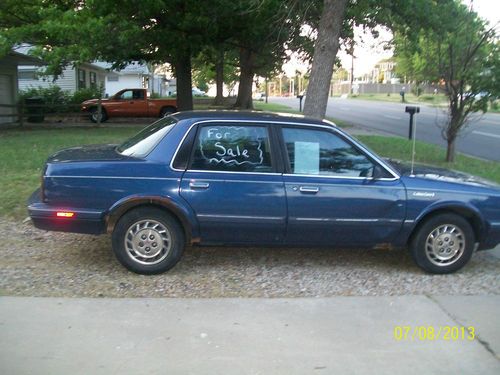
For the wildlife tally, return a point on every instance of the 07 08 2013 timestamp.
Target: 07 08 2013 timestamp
(432, 333)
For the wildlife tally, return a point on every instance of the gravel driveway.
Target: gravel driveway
(38, 263)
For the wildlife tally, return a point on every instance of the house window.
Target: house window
(113, 78)
(93, 79)
(81, 79)
(26, 74)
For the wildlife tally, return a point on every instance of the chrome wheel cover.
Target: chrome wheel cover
(148, 242)
(445, 245)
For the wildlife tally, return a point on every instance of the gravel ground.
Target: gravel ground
(38, 263)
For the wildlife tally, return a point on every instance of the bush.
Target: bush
(417, 90)
(86, 94)
(55, 99)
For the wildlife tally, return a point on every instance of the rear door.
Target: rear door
(233, 185)
(332, 196)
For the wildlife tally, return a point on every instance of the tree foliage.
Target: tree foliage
(460, 53)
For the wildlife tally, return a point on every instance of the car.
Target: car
(259, 96)
(197, 92)
(129, 103)
(255, 178)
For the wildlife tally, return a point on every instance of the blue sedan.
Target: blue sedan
(246, 178)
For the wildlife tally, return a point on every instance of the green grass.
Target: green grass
(400, 148)
(23, 154)
(438, 99)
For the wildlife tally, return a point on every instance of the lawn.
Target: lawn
(410, 98)
(23, 153)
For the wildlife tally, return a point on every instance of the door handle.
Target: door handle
(309, 189)
(199, 185)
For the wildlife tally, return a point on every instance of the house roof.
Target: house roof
(22, 59)
(133, 68)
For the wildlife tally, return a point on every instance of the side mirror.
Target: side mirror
(378, 172)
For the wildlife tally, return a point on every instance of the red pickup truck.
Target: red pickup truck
(129, 103)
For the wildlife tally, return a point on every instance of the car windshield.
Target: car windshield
(143, 142)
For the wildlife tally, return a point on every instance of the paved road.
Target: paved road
(344, 335)
(480, 139)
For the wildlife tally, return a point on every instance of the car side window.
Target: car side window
(126, 95)
(138, 94)
(232, 148)
(319, 152)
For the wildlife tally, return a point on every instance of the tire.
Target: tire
(443, 244)
(93, 115)
(148, 241)
(165, 111)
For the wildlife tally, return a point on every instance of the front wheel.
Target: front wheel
(148, 241)
(443, 244)
(94, 115)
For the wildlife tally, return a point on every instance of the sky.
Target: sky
(369, 50)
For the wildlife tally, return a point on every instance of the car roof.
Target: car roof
(248, 116)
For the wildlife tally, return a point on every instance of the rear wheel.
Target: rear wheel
(94, 115)
(443, 244)
(148, 241)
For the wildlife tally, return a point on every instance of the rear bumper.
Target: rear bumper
(45, 217)
(492, 239)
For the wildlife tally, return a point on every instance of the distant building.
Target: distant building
(134, 75)
(72, 78)
(384, 72)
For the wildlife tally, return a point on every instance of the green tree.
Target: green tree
(264, 30)
(155, 31)
(459, 52)
(337, 18)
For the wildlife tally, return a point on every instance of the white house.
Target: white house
(134, 75)
(72, 78)
(9, 83)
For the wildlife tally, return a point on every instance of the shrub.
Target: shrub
(53, 97)
(86, 94)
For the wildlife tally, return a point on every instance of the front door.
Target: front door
(332, 196)
(232, 185)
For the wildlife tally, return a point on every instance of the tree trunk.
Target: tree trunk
(219, 78)
(247, 60)
(450, 150)
(182, 67)
(325, 51)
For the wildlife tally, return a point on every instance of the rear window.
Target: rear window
(143, 142)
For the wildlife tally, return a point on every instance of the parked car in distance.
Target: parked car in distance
(249, 178)
(129, 103)
(259, 96)
(197, 92)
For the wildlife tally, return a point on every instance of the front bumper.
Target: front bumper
(45, 217)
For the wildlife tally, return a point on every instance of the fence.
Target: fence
(377, 88)
(18, 115)
(37, 114)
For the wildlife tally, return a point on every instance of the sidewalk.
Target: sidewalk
(347, 335)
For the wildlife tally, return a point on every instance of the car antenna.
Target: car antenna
(412, 134)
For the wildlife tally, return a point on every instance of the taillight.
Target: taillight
(67, 214)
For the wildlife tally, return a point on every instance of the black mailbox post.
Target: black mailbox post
(411, 110)
(300, 97)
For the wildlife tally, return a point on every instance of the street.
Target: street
(481, 139)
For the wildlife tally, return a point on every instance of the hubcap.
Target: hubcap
(445, 245)
(148, 242)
